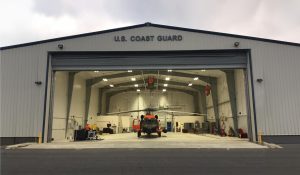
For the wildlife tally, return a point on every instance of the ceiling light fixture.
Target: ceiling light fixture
(169, 70)
(190, 84)
(165, 85)
(133, 79)
(136, 85)
(167, 78)
(129, 71)
(105, 79)
(111, 85)
(164, 90)
(138, 90)
(96, 71)
(203, 70)
(196, 78)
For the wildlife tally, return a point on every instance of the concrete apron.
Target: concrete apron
(168, 140)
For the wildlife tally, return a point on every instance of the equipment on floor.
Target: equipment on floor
(232, 132)
(223, 126)
(85, 134)
(189, 127)
(205, 127)
(169, 126)
(213, 128)
(242, 134)
(80, 135)
(108, 129)
(136, 125)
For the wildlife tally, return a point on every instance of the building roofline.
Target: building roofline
(153, 25)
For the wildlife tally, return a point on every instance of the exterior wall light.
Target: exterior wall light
(236, 44)
(60, 46)
(38, 82)
(259, 80)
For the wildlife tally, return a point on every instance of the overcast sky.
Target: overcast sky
(31, 20)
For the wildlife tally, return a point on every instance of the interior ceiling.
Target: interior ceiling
(141, 76)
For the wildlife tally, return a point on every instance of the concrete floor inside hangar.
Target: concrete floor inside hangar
(168, 140)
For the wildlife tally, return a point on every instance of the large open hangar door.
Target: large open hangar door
(206, 89)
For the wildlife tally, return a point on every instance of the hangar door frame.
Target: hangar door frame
(149, 60)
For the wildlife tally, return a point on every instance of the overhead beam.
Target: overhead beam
(159, 88)
(131, 83)
(231, 91)
(137, 73)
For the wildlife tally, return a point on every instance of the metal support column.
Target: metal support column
(203, 101)
(88, 89)
(196, 102)
(214, 94)
(69, 97)
(100, 95)
(231, 90)
(107, 101)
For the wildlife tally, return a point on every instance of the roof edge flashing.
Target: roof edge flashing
(149, 24)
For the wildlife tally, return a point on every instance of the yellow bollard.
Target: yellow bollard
(40, 138)
(260, 141)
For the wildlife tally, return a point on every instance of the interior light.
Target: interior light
(196, 78)
(136, 85)
(111, 85)
(167, 78)
(203, 70)
(138, 90)
(190, 84)
(96, 71)
(169, 70)
(133, 79)
(165, 85)
(129, 71)
(164, 90)
(105, 79)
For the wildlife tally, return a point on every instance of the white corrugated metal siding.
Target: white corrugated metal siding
(277, 97)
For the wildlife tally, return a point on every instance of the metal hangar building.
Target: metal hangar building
(51, 87)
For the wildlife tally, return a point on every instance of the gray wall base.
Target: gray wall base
(16, 140)
(283, 139)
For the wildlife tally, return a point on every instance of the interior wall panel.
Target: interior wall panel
(133, 100)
